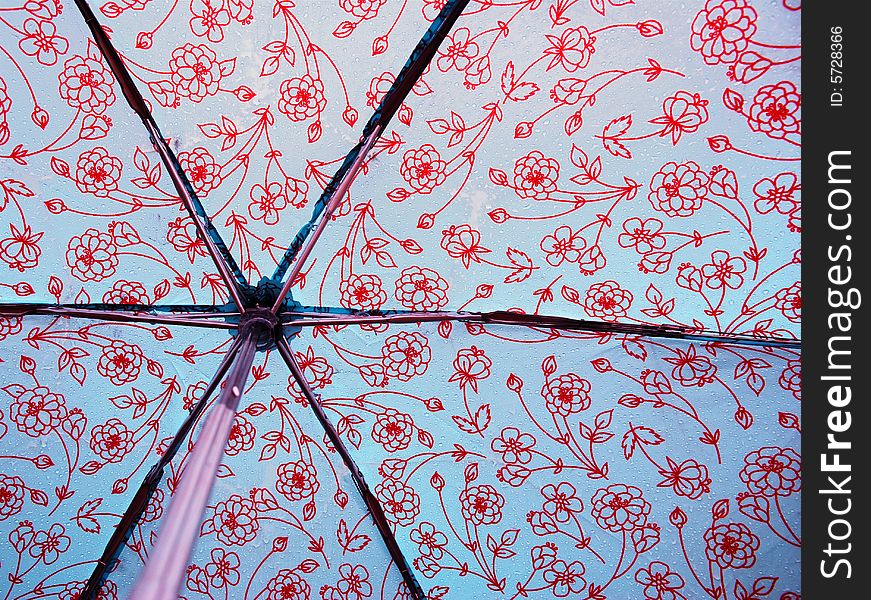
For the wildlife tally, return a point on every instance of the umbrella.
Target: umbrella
(364, 299)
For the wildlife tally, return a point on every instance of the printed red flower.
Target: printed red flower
(561, 501)
(778, 194)
(182, 234)
(731, 546)
(92, 256)
(86, 84)
(405, 355)
(241, 10)
(267, 202)
(5, 106)
(678, 190)
(471, 366)
(620, 507)
(646, 537)
(565, 578)
(196, 72)
(242, 436)
(430, 542)
(423, 168)
(514, 446)
(464, 243)
(73, 591)
(568, 91)
(691, 368)
(316, 369)
(535, 176)
(689, 277)
(660, 582)
(49, 544)
(724, 271)
(432, 8)
(208, 20)
(296, 191)
(563, 245)
(21, 251)
(41, 40)
(421, 289)
(571, 50)
(772, 471)
(567, 394)
(478, 73)
(655, 262)
(722, 30)
(235, 522)
(193, 393)
(111, 441)
(9, 326)
(790, 378)
(297, 480)
(644, 235)
(154, 508)
(401, 503)
(378, 88)
(12, 492)
(607, 301)
(788, 301)
(363, 292)
(362, 9)
(457, 51)
(120, 362)
(223, 568)
(287, 585)
(775, 109)
(482, 505)
(393, 430)
(354, 582)
(689, 478)
(683, 113)
(592, 259)
(126, 292)
(38, 411)
(202, 169)
(301, 98)
(97, 172)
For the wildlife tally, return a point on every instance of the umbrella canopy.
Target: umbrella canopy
(369, 299)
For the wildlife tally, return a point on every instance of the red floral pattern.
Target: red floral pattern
(38, 411)
(618, 162)
(196, 72)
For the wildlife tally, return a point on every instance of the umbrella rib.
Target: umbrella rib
(118, 316)
(372, 503)
(227, 268)
(301, 246)
(331, 199)
(310, 319)
(193, 310)
(142, 497)
(165, 570)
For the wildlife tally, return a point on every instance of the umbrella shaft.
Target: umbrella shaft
(165, 571)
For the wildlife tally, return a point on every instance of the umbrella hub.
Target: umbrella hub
(262, 325)
(265, 293)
